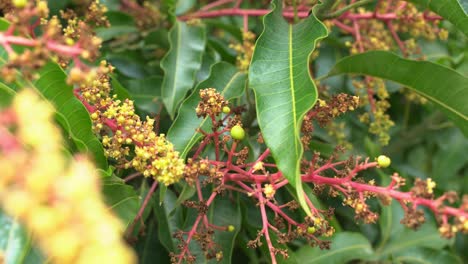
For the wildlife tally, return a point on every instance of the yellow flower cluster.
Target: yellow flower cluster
(122, 128)
(379, 120)
(413, 22)
(159, 160)
(244, 50)
(57, 199)
(211, 103)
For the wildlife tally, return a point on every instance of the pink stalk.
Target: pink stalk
(261, 200)
(397, 39)
(398, 195)
(142, 208)
(194, 229)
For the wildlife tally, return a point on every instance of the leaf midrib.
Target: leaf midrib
(291, 80)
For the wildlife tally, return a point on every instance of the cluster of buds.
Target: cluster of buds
(380, 29)
(121, 128)
(379, 121)
(212, 103)
(324, 112)
(57, 199)
(244, 50)
(147, 15)
(195, 169)
(62, 44)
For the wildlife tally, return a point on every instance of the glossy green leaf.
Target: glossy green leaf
(121, 198)
(426, 256)
(448, 9)
(6, 94)
(345, 246)
(228, 81)
(224, 211)
(52, 84)
(146, 93)
(149, 248)
(284, 91)
(14, 240)
(119, 90)
(168, 223)
(445, 87)
(187, 192)
(181, 63)
(121, 24)
(396, 238)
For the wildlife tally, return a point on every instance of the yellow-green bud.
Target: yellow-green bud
(237, 132)
(226, 110)
(231, 228)
(383, 161)
(311, 230)
(20, 3)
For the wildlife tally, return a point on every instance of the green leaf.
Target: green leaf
(6, 95)
(146, 93)
(183, 6)
(426, 256)
(445, 87)
(223, 212)
(74, 116)
(119, 90)
(448, 9)
(279, 75)
(396, 238)
(346, 246)
(181, 63)
(168, 223)
(149, 247)
(121, 198)
(226, 79)
(121, 24)
(14, 240)
(186, 193)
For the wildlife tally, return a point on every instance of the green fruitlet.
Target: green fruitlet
(226, 110)
(383, 161)
(237, 132)
(20, 3)
(311, 230)
(231, 228)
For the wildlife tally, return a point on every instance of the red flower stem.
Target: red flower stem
(397, 39)
(202, 146)
(64, 50)
(142, 208)
(215, 137)
(132, 176)
(265, 224)
(271, 205)
(310, 204)
(238, 12)
(199, 192)
(231, 153)
(329, 165)
(400, 196)
(194, 228)
(260, 158)
(290, 14)
(343, 26)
